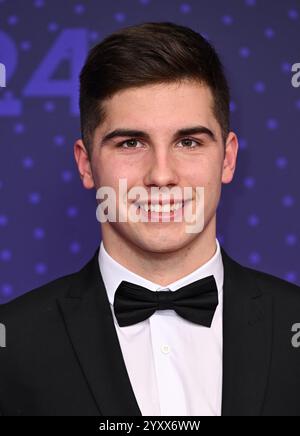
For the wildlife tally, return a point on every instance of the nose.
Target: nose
(162, 170)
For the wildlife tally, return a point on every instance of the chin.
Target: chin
(161, 244)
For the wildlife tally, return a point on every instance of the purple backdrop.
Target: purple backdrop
(48, 226)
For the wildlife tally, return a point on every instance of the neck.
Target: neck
(162, 268)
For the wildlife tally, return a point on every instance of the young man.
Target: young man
(161, 321)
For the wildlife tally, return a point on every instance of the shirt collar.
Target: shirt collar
(113, 273)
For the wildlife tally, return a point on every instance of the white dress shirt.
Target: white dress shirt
(174, 365)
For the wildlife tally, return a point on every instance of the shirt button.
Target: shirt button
(165, 349)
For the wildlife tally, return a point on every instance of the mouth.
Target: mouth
(160, 212)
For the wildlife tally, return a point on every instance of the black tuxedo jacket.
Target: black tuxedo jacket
(63, 357)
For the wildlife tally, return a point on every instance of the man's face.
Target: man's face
(163, 158)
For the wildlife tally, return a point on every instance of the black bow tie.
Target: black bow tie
(195, 302)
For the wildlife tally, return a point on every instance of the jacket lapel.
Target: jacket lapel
(88, 319)
(247, 337)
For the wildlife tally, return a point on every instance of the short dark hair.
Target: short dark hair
(149, 53)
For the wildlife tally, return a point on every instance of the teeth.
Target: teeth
(157, 208)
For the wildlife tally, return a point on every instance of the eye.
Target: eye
(188, 141)
(130, 141)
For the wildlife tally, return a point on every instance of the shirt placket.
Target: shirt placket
(169, 386)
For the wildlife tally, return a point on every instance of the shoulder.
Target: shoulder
(274, 285)
(43, 300)
(285, 297)
(39, 300)
(272, 294)
(267, 283)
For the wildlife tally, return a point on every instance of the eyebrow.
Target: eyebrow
(141, 134)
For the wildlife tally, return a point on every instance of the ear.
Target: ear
(83, 164)
(230, 158)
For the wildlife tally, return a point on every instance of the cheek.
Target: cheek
(199, 173)
(110, 173)
(206, 175)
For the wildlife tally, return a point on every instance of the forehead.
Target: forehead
(160, 105)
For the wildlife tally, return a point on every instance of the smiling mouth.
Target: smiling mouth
(162, 210)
